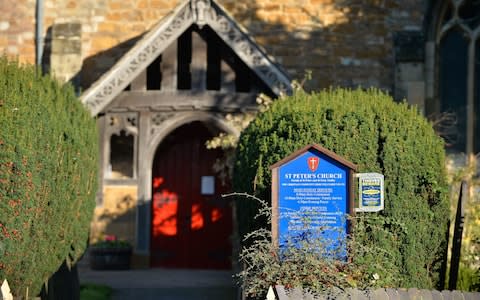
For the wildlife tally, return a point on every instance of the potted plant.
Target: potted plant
(110, 254)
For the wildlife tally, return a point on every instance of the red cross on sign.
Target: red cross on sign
(313, 163)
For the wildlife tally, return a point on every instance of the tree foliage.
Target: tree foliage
(48, 176)
(378, 135)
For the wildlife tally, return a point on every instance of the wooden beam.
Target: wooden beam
(169, 68)
(180, 100)
(199, 62)
(140, 82)
(227, 78)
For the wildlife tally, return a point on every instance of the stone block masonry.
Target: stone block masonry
(345, 43)
(66, 51)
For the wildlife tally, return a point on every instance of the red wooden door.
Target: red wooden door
(191, 226)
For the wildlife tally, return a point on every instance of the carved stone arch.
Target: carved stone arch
(180, 119)
(145, 185)
(434, 12)
(452, 26)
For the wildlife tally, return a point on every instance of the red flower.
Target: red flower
(110, 238)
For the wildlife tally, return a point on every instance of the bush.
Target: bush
(48, 178)
(378, 135)
(468, 279)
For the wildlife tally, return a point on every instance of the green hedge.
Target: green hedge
(48, 176)
(378, 135)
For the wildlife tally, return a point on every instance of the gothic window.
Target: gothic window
(121, 156)
(453, 54)
(458, 74)
(121, 136)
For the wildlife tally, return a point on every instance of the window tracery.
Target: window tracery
(121, 133)
(458, 74)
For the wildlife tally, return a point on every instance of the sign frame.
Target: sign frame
(275, 168)
(379, 180)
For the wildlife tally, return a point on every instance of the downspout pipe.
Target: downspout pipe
(39, 33)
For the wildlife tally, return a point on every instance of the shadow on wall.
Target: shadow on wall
(117, 218)
(346, 43)
(47, 52)
(95, 66)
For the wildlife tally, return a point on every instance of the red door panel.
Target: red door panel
(189, 229)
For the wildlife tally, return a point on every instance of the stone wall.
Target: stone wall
(344, 43)
(117, 215)
(66, 56)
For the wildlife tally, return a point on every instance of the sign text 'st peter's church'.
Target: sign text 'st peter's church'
(311, 195)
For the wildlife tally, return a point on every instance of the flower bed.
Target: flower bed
(110, 254)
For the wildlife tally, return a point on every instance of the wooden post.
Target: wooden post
(169, 68)
(275, 207)
(457, 237)
(199, 63)
(140, 82)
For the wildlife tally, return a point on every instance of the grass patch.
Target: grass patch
(90, 291)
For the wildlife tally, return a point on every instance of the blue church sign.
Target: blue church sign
(311, 197)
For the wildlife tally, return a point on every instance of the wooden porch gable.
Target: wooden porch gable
(196, 48)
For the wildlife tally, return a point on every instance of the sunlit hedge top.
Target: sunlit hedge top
(378, 135)
(48, 176)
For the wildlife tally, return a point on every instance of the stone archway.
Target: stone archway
(146, 192)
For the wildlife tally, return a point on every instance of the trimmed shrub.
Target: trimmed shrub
(379, 135)
(48, 176)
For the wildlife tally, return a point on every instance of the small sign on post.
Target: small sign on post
(312, 193)
(370, 192)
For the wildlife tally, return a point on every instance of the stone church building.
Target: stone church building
(161, 78)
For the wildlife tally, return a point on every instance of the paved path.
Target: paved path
(164, 284)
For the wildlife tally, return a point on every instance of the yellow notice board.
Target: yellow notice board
(370, 192)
